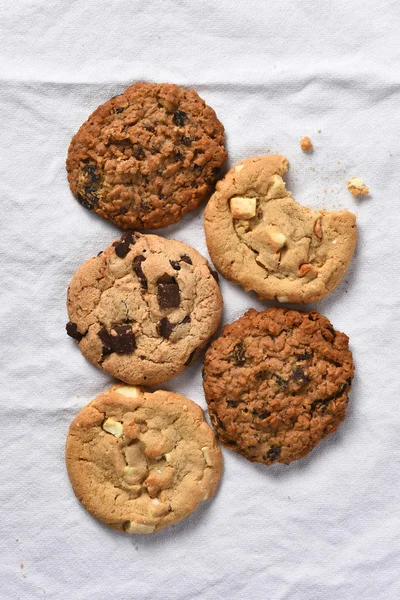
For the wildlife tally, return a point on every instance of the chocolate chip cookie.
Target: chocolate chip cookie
(143, 309)
(276, 383)
(145, 158)
(140, 461)
(259, 237)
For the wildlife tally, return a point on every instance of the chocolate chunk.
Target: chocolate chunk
(168, 292)
(137, 267)
(88, 195)
(119, 110)
(166, 279)
(189, 360)
(230, 442)
(179, 117)
(263, 414)
(262, 375)
(186, 259)
(138, 151)
(186, 140)
(215, 275)
(175, 264)
(165, 328)
(220, 424)
(72, 331)
(196, 167)
(282, 382)
(106, 341)
(304, 356)
(123, 339)
(273, 453)
(88, 201)
(328, 334)
(122, 246)
(178, 156)
(119, 339)
(232, 403)
(238, 355)
(319, 402)
(299, 376)
(93, 173)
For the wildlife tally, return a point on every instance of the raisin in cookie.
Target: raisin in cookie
(277, 382)
(140, 461)
(144, 308)
(259, 237)
(145, 158)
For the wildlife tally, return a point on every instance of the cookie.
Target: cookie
(259, 237)
(276, 383)
(140, 461)
(145, 158)
(143, 309)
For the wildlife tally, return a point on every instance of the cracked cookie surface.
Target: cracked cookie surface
(276, 383)
(143, 309)
(140, 461)
(145, 158)
(259, 237)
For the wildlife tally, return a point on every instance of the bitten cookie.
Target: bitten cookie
(145, 158)
(140, 461)
(276, 383)
(259, 237)
(144, 308)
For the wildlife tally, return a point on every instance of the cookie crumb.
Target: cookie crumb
(21, 565)
(357, 187)
(306, 144)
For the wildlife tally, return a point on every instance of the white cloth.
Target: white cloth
(324, 528)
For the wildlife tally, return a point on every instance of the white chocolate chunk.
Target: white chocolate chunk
(282, 298)
(277, 188)
(130, 470)
(243, 208)
(132, 527)
(207, 456)
(112, 426)
(130, 391)
(276, 240)
(238, 168)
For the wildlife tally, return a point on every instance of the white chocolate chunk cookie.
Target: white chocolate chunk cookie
(143, 309)
(259, 237)
(141, 461)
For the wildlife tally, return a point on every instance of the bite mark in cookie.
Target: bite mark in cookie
(259, 237)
